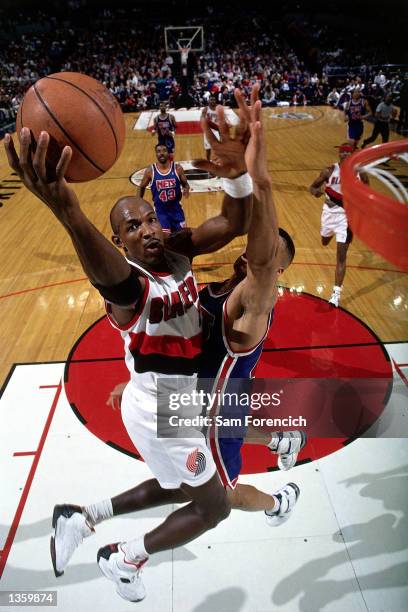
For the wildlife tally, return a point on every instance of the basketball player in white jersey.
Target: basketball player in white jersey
(151, 297)
(209, 115)
(334, 219)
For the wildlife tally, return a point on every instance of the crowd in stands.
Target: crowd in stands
(128, 56)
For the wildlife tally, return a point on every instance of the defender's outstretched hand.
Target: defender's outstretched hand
(35, 173)
(246, 150)
(255, 152)
(229, 160)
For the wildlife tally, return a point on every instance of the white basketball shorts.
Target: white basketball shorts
(334, 222)
(173, 461)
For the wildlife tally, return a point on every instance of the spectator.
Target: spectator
(333, 97)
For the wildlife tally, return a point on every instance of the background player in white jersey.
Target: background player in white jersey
(209, 114)
(152, 298)
(334, 219)
(168, 184)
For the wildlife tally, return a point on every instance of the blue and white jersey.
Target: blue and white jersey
(165, 187)
(219, 360)
(164, 126)
(219, 369)
(355, 110)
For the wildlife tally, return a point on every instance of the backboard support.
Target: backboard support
(191, 37)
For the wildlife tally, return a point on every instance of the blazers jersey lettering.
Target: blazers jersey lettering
(333, 187)
(223, 366)
(164, 337)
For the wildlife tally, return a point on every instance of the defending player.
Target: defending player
(355, 111)
(168, 184)
(164, 125)
(334, 219)
(239, 313)
(209, 114)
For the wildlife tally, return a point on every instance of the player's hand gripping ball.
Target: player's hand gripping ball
(78, 111)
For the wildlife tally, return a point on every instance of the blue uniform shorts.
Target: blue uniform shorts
(171, 216)
(355, 130)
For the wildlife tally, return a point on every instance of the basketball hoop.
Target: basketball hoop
(378, 220)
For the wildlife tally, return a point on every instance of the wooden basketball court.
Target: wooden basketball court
(46, 302)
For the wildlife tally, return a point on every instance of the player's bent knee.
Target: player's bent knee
(215, 513)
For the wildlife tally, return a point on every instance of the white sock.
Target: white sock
(276, 507)
(96, 513)
(337, 289)
(135, 549)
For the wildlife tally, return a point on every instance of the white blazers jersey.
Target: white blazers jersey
(164, 337)
(212, 116)
(333, 187)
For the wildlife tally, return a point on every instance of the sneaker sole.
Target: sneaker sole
(53, 558)
(106, 571)
(58, 511)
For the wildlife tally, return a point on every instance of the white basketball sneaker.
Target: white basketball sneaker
(287, 445)
(335, 296)
(125, 574)
(71, 527)
(287, 498)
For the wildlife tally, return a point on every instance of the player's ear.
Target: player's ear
(118, 242)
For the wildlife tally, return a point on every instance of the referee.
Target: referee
(384, 112)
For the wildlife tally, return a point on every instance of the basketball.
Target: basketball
(78, 111)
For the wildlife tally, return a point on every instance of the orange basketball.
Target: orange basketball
(78, 111)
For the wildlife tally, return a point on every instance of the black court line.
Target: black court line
(122, 450)
(7, 380)
(97, 359)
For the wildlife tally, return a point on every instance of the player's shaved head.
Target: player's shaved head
(288, 247)
(122, 207)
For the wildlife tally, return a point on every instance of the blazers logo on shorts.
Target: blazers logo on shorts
(196, 462)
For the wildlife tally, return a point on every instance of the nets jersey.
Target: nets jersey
(219, 369)
(164, 126)
(165, 187)
(355, 110)
(164, 337)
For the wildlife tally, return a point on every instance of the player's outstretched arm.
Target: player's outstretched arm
(235, 214)
(250, 303)
(101, 261)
